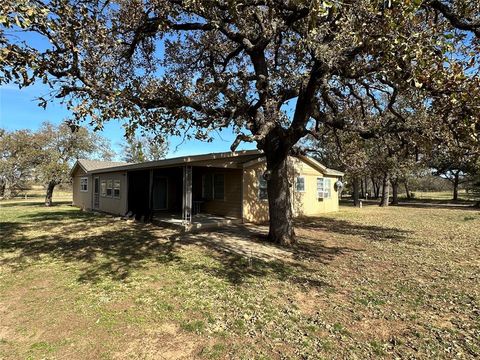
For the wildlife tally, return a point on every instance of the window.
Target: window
(207, 187)
(213, 186)
(300, 184)
(262, 188)
(326, 188)
(103, 188)
(219, 187)
(116, 189)
(83, 184)
(320, 192)
(323, 188)
(109, 188)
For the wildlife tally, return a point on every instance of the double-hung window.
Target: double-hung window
(262, 188)
(116, 189)
(83, 184)
(109, 188)
(326, 188)
(323, 188)
(300, 184)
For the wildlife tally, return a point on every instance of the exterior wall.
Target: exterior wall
(307, 203)
(231, 205)
(304, 203)
(254, 209)
(82, 199)
(117, 206)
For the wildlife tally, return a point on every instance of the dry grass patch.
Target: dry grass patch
(397, 282)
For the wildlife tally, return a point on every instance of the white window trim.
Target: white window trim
(327, 190)
(81, 179)
(321, 195)
(111, 188)
(304, 184)
(119, 189)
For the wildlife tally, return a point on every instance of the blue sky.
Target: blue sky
(19, 110)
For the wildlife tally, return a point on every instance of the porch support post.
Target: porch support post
(187, 194)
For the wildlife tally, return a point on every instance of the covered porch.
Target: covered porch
(187, 197)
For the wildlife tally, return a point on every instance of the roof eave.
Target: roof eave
(176, 161)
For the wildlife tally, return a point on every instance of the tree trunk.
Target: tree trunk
(362, 190)
(3, 185)
(376, 188)
(279, 197)
(385, 191)
(394, 192)
(407, 190)
(366, 187)
(48, 198)
(456, 181)
(356, 191)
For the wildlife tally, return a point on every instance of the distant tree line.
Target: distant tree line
(45, 156)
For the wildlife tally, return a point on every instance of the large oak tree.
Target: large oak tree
(273, 70)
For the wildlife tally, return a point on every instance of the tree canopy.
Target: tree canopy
(46, 156)
(143, 148)
(274, 71)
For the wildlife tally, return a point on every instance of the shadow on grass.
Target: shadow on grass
(38, 203)
(420, 203)
(110, 251)
(368, 232)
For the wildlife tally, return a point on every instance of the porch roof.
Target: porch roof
(222, 159)
(238, 159)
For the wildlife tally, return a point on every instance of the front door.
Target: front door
(96, 193)
(160, 193)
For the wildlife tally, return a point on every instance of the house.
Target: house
(190, 189)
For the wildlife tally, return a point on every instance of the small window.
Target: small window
(320, 187)
(103, 188)
(326, 188)
(109, 188)
(219, 187)
(83, 184)
(116, 189)
(300, 184)
(262, 188)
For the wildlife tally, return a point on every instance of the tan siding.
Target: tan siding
(232, 203)
(303, 203)
(307, 203)
(254, 209)
(81, 199)
(110, 204)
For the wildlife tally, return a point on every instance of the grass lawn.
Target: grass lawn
(440, 196)
(362, 283)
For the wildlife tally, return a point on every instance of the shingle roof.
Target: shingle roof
(223, 159)
(90, 165)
